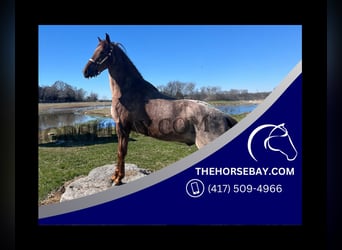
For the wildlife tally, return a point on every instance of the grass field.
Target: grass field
(58, 164)
(43, 107)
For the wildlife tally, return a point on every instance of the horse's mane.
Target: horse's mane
(129, 66)
(122, 56)
(120, 45)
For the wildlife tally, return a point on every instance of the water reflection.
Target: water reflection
(71, 117)
(63, 119)
(237, 109)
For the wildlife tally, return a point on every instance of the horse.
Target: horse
(277, 140)
(139, 106)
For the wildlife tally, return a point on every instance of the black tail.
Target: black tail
(231, 121)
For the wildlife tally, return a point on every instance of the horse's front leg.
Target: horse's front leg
(123, 136)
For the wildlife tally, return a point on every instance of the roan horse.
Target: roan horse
(137, 105)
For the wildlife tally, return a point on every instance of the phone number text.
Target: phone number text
(244, 188)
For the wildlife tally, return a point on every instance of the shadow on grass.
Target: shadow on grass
(80, 140)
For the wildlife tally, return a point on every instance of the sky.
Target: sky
(243, 57)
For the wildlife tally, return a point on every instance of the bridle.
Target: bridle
(98, 61)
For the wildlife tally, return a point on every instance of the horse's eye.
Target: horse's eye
(103, 52)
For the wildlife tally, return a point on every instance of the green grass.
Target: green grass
(61, 163)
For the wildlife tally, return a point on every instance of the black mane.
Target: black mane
(130, 69)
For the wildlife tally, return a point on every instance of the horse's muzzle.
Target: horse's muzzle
(89, 75)
(89, 72)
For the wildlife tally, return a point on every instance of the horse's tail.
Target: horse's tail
(230, 121)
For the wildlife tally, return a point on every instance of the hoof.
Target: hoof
(116, 181)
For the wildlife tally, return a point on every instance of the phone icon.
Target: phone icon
(195, 188)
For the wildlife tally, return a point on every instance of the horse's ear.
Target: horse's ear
(107, 38)
(99, 39)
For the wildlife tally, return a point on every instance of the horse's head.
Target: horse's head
(279, 140)
(100, 59)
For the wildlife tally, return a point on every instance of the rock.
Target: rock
(99, 179)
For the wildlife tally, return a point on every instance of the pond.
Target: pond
(68, 117)
(237, 109)
(62, 117)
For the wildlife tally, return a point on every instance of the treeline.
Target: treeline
(63, 92)
(182, 90)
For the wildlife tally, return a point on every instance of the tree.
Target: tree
(80, 94)
(62, 92)
(189, 89)
(92, 97)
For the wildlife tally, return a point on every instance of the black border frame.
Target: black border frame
(314, 92)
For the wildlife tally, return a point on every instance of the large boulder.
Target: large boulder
(98, 180)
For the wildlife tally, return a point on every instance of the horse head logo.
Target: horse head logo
(278, 140)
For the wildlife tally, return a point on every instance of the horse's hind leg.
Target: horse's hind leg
(199, 142)
(119, 172)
